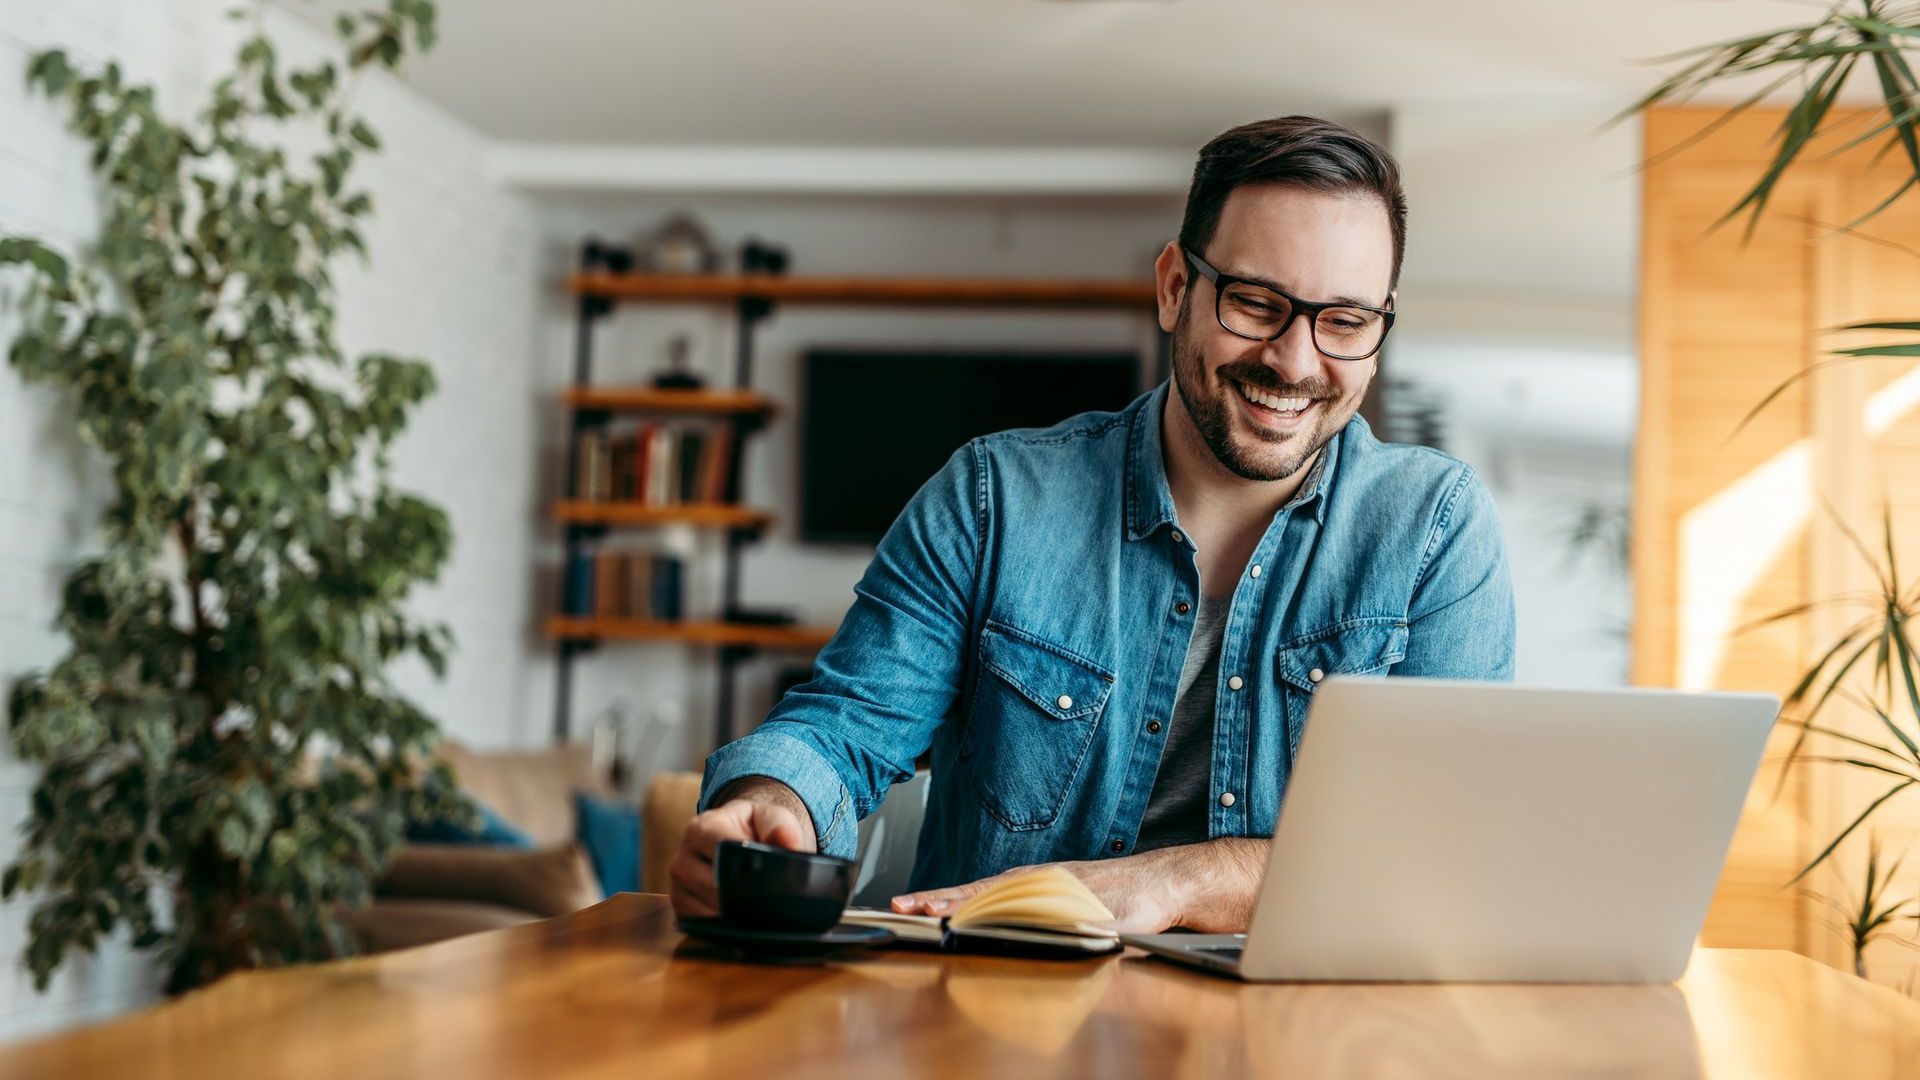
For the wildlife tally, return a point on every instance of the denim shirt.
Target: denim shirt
(1026, 617)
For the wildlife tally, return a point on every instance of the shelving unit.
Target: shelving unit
(753, 297)
(699, 515)
(691, 631)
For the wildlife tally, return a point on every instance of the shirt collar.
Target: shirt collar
(1150, 500)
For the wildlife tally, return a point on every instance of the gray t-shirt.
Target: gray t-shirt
(1183, 787)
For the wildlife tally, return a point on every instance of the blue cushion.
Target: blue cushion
(494, 830)
(610, 831)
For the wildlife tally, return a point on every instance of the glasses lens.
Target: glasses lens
(1251, 311)
(1348, 332)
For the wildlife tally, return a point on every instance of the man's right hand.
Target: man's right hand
(756, 809)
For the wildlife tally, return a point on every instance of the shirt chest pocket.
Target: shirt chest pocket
(1366, 647)
(1036, 708)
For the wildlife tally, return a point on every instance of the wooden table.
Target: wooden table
(616, 991)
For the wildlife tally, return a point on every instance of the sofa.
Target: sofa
(431, 892)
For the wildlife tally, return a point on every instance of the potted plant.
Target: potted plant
(224, 762)
(1874, 665)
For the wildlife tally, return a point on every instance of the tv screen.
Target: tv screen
(878, 423)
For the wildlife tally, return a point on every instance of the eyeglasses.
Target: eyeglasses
(1261, 313)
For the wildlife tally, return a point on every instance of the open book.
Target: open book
(1044, 912)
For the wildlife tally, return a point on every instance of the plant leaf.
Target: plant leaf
(1844, 833)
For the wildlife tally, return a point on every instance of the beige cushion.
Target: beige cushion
(547, 881)
(403, 922)
(532, 789)
(671, 798)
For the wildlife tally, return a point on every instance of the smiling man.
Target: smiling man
(1106, 633)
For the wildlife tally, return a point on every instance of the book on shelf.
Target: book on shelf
(1046, 912)
(654, 465)
(617, 583)
(576, 595)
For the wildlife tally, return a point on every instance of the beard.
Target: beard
(1257, 453)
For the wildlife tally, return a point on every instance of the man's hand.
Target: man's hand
(1208, 887)
(757, 809)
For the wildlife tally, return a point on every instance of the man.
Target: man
(1107, 632)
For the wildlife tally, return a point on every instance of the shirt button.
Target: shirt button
(1153, 727)
(1254, 570)
(1226, 798)
(1065, 702)
(1235, 683)
(1316, 675)
(1182, 607)
(1119, 846)
(1177, 538)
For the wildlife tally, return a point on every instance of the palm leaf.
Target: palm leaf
(1848, 831)
(1794, 133)
(1784, 386)
(1893, 562)
(1800, 691)
(1862, 763)
(1863, 351)
(1845, 737)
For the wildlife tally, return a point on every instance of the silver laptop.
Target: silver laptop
(1440, 831)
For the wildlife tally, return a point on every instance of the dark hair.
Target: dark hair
(1304, 151)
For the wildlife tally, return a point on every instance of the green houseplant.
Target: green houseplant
(224, 762)
(1879, 646)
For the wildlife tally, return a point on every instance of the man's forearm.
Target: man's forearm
(1215, 883)
(765, 789)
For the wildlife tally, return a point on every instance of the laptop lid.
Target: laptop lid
(1457, 831)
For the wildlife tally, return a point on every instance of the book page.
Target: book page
(1050, 898)
(905, 927)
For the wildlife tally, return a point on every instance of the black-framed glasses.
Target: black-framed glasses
(1259, 312)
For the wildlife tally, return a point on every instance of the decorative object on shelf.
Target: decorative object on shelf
(679, 373)
(227, 767)
(760, 257)
(681, 245)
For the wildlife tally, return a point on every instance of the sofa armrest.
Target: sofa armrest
(546, 881)
(669, 805)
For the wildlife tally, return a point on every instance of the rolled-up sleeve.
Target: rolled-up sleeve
(1461, 618)
(890, 675)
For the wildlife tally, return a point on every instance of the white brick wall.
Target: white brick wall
(454, 280)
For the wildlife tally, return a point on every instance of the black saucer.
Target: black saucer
(783, 946)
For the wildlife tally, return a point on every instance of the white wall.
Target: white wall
(455, 282)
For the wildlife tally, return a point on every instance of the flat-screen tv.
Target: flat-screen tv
(876, 423)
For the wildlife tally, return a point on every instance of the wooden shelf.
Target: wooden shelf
(939, 292)
(693, 632)
(702, 515)
(647, 399)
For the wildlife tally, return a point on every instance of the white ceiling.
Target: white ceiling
(1057, 74)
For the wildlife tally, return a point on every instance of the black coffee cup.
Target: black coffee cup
(768, 888)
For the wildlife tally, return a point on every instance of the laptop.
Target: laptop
(1438, 831)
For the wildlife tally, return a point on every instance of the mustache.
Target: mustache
(1260, 377)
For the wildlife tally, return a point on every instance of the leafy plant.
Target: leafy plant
(1895, 674)
(225, 763)
(1850, 35)
(1871, 917)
